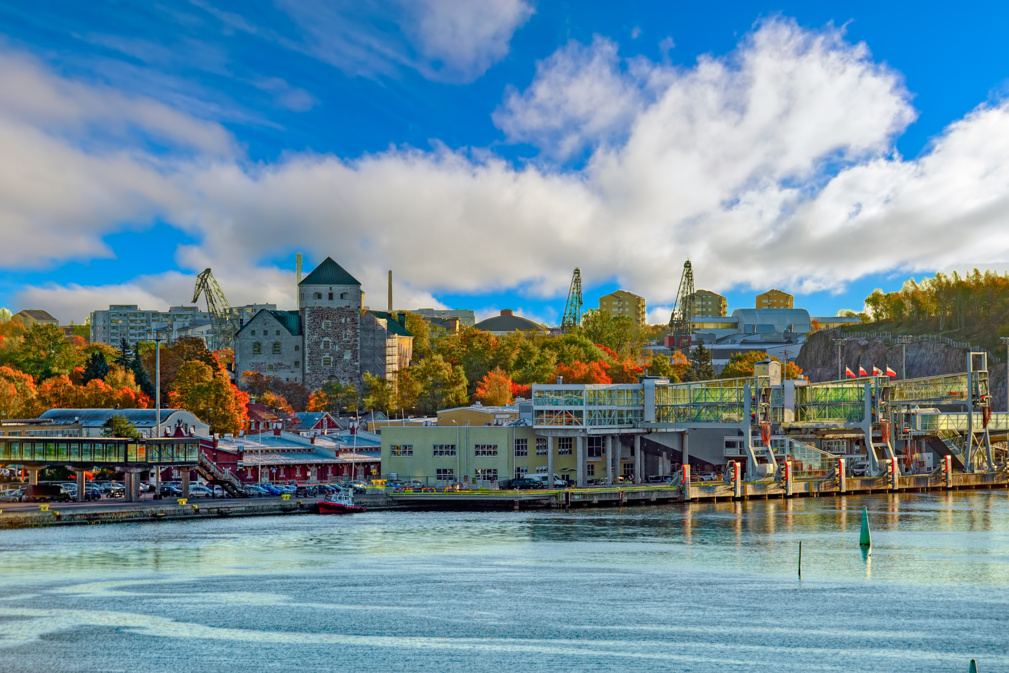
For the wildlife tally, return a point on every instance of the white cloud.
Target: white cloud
(442, 39)
(773, 166)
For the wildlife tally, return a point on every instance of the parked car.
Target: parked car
(169, 491)
(358, 487)
(286, 488)
(200, 491)
(46, 493)
(860, 468)
(269, 488)
(522, 484)
(12, 495)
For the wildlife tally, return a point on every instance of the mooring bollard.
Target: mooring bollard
(841, 474)
(788, 478)
(182, 502)
(894, 473)
(947, 467)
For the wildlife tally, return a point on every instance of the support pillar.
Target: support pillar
(737, 480)
(550, 461)
(128, 487)
(685, 447)
(33, 476)
(581, 448)
(685, 486)
(788, 479)
(609, 458)
(81, 486)
(841, 474)
(185, 482)
(638, 460)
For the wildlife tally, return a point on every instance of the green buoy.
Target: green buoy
(865, 540)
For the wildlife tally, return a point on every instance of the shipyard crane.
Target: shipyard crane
(681, 321)
(221, 315)
(573, 307)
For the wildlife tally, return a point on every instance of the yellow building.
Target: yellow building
(774, 299)
(477, 415)
(708, 304)
(626, 304)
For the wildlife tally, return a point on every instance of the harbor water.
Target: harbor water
(699, 587)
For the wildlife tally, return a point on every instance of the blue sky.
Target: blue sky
(483, 150)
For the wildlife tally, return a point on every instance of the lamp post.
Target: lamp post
(839, 343)
(1005, 340)
(903, 340)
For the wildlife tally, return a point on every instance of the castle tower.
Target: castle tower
(330, 304)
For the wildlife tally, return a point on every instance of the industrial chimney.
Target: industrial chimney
(297, 288)
(390, 290)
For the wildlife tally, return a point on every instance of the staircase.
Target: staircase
(209, 470)
(949, 443)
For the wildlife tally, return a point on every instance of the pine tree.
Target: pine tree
(140, 374)
(97, 367)
(700, 362)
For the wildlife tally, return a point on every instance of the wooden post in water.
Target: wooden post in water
(800, 559)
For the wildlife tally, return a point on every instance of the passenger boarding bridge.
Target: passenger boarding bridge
(774, 420)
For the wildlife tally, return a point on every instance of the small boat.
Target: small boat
(341, 503)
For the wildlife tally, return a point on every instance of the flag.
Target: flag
(861, 371)
(847, 372)
(876, 371)
(892, 374)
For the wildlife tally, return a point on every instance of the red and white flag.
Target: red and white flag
(892, 374)
(847, 372)
(861, 371)
(876, 371)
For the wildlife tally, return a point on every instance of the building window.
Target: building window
(297, 348)
(542, 469)
(253, 332)
(257, 348)
(401, 450)
(521, 447)
(269, 368)
(541, 446)
(590, 470)
(486, 474)
(326, 324)
(317, 295)
(444, 474)
(595, 447)
(443, 450)
(327, 360)
(326, 344)
(564, 446)
(276, 348)
(521, 472)
(485, 450)
(331, 296)
(297, 363)
(628, 470)
(344, 295)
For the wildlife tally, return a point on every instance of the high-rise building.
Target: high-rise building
(624, 303)
(774, 299)
(127, 321)
(708, 304)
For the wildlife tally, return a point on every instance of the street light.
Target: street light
(839, 343)
(1005, 340)
(903, 340)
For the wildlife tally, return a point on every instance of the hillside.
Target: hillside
(818, 360)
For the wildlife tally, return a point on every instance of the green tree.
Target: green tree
(661, 365)
(379, 394)
(421, 331)
(700, 363)
(45, 352)
(119, 426)
(96, 367)
(441, 384)
(618, 333)
(140, 374)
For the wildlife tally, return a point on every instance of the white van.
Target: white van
(558, 481)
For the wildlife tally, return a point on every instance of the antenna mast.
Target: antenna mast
(573, 307)
(681, 321)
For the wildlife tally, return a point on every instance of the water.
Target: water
(707, 587)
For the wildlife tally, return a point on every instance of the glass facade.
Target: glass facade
(95, 452)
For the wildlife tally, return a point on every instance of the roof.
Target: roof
(507, 322)
(306, 420)
(392, 323)
(329, 273)
(138, 417)
(37, 314)
(289, 320)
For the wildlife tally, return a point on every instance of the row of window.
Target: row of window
(265, 332)
(485, 449)
(401, 450)
(565, 447)
(257, 348)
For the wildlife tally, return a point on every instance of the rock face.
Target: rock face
(818, 359)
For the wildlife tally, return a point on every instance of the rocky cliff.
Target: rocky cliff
(818, 359)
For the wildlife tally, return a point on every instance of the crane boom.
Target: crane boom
(573, 307)
(221, 315)
(681, 321)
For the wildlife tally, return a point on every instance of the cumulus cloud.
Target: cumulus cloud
(772, 166)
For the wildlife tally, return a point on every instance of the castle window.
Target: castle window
(326, 324)
(327, 360)
(269, 367)
(297, 348)
(331, 296)
(317, 295)
(326, 344)
(344, 295)
(257, 348)
(276, 348)
(253, 332)
(297, 363)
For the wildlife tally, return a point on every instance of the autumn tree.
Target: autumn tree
(17, 394)
(421, 331)
(584, 372)
(379, 394)
(44, 352)
(335, 397)
(209, 394)
(619, 333)
(441, 384)
(495, 389)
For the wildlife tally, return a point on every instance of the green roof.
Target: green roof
(392, 323)
(291, 320)
(329, 273)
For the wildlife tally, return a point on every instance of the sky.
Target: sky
(483, 150)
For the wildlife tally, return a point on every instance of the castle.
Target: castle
(330, 336)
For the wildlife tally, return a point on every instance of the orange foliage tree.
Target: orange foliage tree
(581, 372)
(208, 393)
(495, 389)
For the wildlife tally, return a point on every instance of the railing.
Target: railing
(959, 423)
(213, 472)
(834, 401)
(931, 388)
